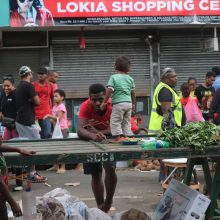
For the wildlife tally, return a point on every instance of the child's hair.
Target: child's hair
(122, 63)
(10, 78)
(183, 86)
(61, 93)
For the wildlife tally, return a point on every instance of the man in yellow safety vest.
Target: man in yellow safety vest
(167, 111)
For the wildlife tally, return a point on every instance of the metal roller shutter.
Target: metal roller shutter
(182, 52)
(12, 60)
(80, 68)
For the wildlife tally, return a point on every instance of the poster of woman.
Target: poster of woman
(29, 13)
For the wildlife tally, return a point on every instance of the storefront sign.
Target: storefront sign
(71, 12)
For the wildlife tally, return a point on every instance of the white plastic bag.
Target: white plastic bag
(57, 133)
(97, 214)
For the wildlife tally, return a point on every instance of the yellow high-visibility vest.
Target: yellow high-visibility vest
(156, 119)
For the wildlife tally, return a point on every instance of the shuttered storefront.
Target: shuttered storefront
(12, 60)
(181, 50)
(80, 68)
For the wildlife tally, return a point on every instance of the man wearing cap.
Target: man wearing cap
(44, 90)
(26, 99)
(167, 111)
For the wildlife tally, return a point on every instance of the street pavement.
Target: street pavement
(135, 189)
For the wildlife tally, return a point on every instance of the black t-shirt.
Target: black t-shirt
(166, 96)
(24, 104)
(8, 105)
(204, 96)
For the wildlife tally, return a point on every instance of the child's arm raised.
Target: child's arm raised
(109, 92)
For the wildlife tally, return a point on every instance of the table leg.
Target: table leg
(207, 173)
(215, 188)
(189, 171)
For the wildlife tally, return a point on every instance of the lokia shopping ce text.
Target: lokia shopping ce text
(137, 6)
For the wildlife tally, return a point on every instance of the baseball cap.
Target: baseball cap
(24, 70)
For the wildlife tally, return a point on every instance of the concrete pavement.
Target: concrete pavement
(140, 190)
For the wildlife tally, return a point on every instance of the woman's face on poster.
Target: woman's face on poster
(25, 5)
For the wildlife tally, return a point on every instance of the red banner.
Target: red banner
(112, 8)
(29, 13)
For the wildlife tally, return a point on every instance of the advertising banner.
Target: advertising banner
(95, 12)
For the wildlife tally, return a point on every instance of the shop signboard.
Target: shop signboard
(106, 12)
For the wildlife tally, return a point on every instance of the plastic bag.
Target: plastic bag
(57, 133)
(74, 208)
(97, 214)
(192, 111)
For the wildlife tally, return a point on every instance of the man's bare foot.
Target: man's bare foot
(104, 207)
(61, 171)
(53, 168)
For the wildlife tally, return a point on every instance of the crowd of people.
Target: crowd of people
(169, 108)
(37, 107)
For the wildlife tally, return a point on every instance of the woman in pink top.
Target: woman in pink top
(59, 112)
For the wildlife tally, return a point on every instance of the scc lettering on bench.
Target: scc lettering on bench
(100, 157)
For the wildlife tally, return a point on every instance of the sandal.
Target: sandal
(36, 178)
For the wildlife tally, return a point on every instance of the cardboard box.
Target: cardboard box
(180, 202)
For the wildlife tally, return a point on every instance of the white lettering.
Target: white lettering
(139, 6)
(168, 6)
(128, 6)
(188, 5)
(72, 7)
(177, 6)
(151, 5)
(161, 5)
(116, 6)
(83, 7)
(203, 5)
(101, 7)
(59, 8)
(214, 5)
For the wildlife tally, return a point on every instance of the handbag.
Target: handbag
(8, 123)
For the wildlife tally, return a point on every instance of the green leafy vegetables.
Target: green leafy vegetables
(196, 135)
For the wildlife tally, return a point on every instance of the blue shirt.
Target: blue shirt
(216, 84)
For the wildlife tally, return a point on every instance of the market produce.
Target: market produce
(147, 165)
(196, 135)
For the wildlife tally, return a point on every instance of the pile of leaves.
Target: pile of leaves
(196, 135)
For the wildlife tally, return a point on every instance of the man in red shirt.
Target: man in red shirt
(93, 124)
(44, 90)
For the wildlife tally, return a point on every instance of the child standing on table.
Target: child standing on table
(121, 87)
(59, 112)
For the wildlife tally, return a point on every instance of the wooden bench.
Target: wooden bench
(77, 151)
